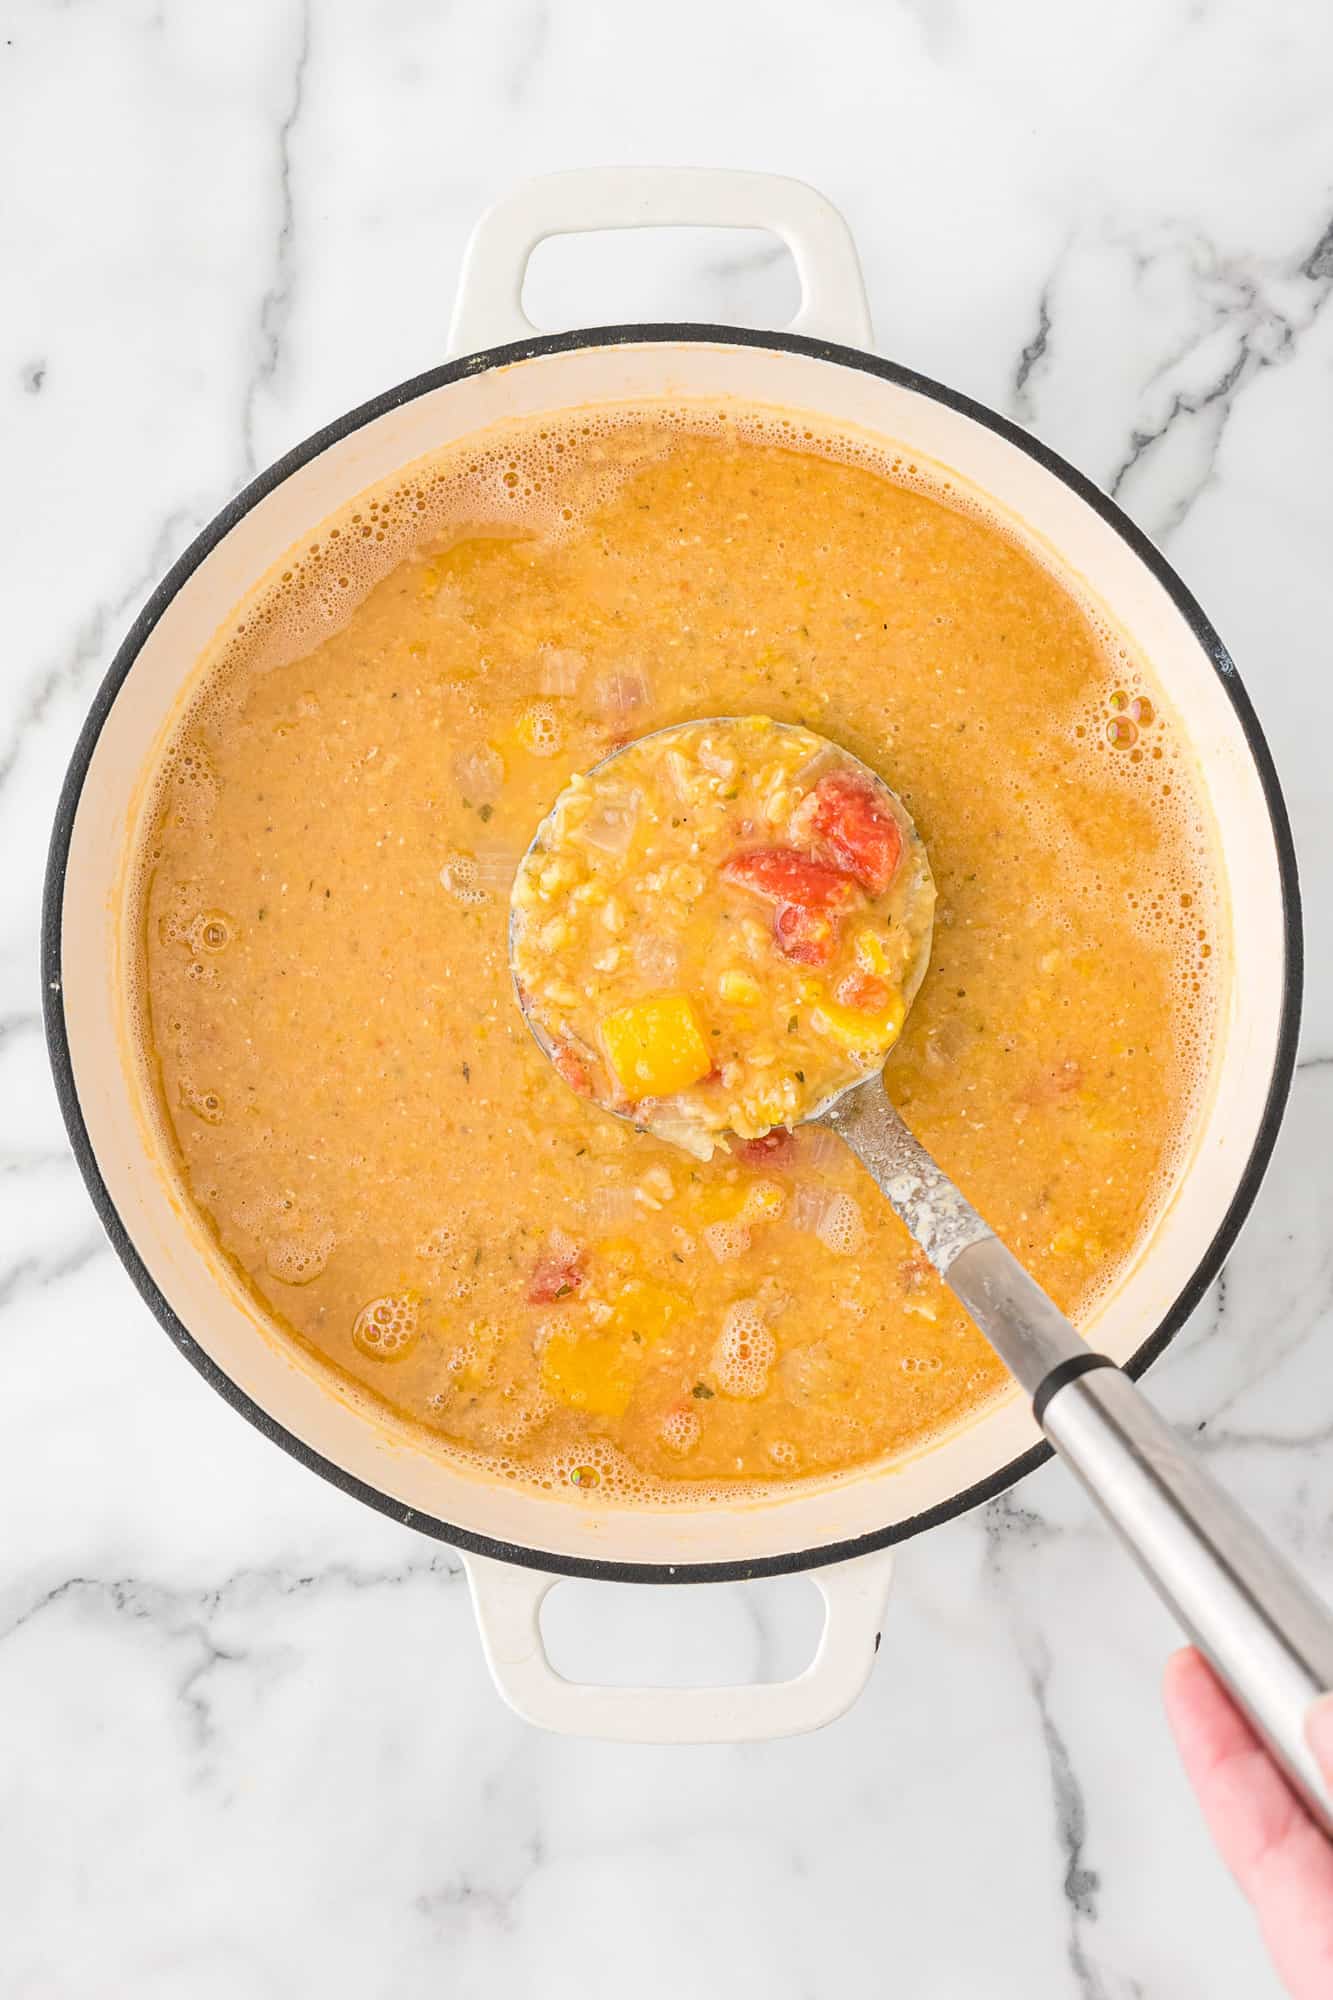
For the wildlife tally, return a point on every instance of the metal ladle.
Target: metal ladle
(1264, 1632)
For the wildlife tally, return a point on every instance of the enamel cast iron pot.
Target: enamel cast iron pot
(517, 1543)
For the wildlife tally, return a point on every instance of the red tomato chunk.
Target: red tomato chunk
(865, 992)
(573, 1069)
(851, 821)
(555, 1277)
(774, 1149)
(785, 876)
(804, 935)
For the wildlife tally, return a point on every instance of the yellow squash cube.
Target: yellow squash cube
(597, 1369)
(864, 1033)
(593, 1371)
(644, 1310)
(656, 1046)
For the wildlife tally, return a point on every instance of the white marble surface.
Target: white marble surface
(247, 1744)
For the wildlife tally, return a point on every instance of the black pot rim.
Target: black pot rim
(498, 357)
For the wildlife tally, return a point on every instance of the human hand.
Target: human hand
(1281, 1859)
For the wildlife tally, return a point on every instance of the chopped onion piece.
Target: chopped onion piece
(479, 774)
(611, 1208)
(621, 693)
(496, 868)
(681, 776)
(559, 670)
(808, 1207)
(720, 762)
(657, 959)
(819, 1147)
(814, 767)
(611, 828)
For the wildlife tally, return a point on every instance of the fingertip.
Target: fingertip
(1181, 1665)
(1186, 1680)
(1206, 1723)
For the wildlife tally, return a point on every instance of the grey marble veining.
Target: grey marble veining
(248, 1745)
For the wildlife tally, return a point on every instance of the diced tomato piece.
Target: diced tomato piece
(865, 992)
(859, 829)
(785, 876)
(773, 1150)
(555, 1276)
(573, 1069)
(804, 935)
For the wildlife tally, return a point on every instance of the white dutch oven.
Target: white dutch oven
(517, 1543)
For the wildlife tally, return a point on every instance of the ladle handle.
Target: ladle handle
(1265, 1633)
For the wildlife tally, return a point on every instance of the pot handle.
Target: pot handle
(489, 306)
(508, 1600)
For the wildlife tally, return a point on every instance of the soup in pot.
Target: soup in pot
(350, 1096)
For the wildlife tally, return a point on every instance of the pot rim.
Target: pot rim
(676, 333)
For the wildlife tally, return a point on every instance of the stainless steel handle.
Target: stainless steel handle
(1261, 1628)
(1266, 1634)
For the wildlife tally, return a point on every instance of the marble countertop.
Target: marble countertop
(248, 1746)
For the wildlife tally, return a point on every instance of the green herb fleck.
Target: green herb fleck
(484, 812)
(792, 1025)
(262, 914)
(800, 1076)
(563, 1291)
(702, 1391)
(467, 1072)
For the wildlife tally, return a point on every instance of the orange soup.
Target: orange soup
(346, 1087)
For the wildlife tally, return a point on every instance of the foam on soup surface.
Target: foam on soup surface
(349, 1093)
